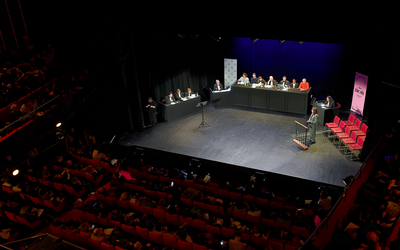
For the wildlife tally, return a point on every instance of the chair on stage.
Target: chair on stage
(356, 147)
(334, 124)
(357, 123)
(350, 121)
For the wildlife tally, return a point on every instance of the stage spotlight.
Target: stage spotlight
(301, 42)
(281, 41)
(347, 180)
(254, 40)
(58, 124)
(15, 172)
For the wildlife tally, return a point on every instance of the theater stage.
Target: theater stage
(260, 140)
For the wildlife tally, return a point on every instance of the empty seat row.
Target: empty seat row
(351, 133)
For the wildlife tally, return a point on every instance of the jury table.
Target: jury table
(291, 101)
(179, 109)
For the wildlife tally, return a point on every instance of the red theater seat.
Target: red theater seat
(227, 233)
(183, 245)
(170, 242)
(213, 230)
(156, 238)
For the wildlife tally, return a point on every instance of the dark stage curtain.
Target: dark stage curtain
(168, 62)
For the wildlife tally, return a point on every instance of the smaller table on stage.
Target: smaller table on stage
(326, 114)
(180, 108)
(221, 99)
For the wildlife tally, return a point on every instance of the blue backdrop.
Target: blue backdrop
(327, 67)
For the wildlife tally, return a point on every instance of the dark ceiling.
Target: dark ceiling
(332, 25)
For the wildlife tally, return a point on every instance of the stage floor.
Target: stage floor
(260, 140)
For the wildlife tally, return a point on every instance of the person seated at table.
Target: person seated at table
(260, 80)
(254, 78)
(169, 98)
(244, 79)
(179, 96)
(189, 92)
(271, 81)
(218, 86)
(284, 82)
(304, 85)
(329, 103)
(294, 84)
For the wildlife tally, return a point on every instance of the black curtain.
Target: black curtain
(167, 62)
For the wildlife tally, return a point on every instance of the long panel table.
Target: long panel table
(291, 101)
(179, 109)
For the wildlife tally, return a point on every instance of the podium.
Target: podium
(203, 123)
(326, 114)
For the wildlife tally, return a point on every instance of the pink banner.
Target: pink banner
(359, 92)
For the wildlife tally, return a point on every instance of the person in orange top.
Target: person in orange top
(304, 85)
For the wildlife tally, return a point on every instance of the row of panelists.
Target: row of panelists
(244, 80)
(284, 83)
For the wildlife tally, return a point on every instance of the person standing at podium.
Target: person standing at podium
(218, 86)
(312, 124)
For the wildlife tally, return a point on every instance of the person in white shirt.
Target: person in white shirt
(271, 82)
(189, 92)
